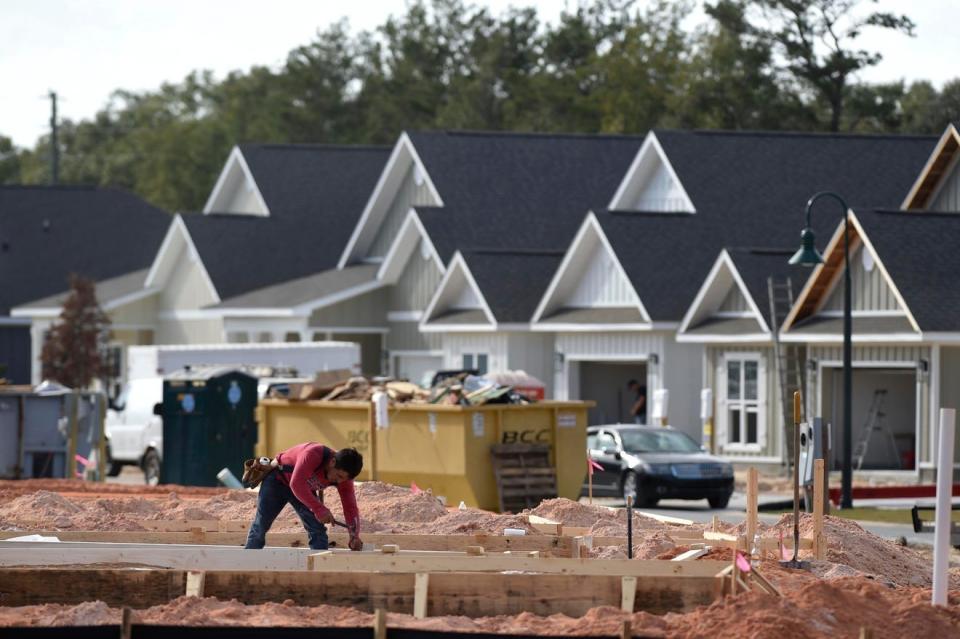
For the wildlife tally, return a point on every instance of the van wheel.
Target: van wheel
(151, 468)
(113, 467)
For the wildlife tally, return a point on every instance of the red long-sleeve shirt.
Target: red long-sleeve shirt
(308, 461)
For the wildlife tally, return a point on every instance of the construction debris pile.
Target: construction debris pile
(456, 388)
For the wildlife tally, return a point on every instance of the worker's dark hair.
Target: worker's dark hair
(632, 382)
(350, 460)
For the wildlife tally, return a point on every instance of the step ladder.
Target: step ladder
(875, 423)
(788, 358)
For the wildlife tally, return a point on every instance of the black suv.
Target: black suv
(652, 463)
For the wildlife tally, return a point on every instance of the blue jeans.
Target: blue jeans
(274, 495)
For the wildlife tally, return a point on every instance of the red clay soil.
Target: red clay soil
(601, 520)
(812, 609)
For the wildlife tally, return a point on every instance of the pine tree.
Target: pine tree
(72, 353)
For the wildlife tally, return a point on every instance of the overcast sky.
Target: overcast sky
(85, 49)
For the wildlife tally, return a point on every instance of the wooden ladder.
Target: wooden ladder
(789, 358)
(524, 475)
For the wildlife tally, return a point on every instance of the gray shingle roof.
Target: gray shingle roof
(919, 251)
(517, 190)
(512, 283)
(750, 189)
(47, 233)
(315, 194)
(107, 290)
(755, 265)
(304, 289)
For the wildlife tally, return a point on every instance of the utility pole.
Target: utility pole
(54, 147)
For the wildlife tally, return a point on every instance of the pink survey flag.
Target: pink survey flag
(742, 563)
(591, 465)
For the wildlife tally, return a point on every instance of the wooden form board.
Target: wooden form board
(26, 553)
(472, 595)
(342, 562)
(556, 546)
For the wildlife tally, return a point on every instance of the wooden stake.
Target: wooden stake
(628, 593)
(735, 573)
(389, 549)
(752, 481)
(626, 629)
(590, 481)
(866, 633)
(819, 540)
(373, 441)
(379, 624)
(195, 579)
(715, 524)
(125, 622)
(420, 585)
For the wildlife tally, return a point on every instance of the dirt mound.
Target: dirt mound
(651, 546)
(602, 521)
(812, 609)
(852, 546)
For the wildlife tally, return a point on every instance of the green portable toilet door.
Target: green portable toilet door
(185, 442)
(233, 430)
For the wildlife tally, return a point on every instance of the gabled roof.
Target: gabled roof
(744, 271)
(918, 251)
(315, 194)
(517, 190)
(749, 189)
(331, 285)
(110, 293)
(49, 232)
(942, 159)
(506, 286)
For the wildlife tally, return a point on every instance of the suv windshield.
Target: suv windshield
(657, 441)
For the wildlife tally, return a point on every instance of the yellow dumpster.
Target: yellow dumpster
(443, 448)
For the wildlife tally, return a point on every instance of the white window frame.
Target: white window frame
(474, 358)
(725, 404)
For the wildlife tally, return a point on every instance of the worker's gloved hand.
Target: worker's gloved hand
(355, 543)
(326, 518)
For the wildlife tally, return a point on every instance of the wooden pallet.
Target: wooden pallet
(524, 475)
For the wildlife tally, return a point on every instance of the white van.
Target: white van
(134, 432)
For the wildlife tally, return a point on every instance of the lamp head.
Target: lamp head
(808, 255)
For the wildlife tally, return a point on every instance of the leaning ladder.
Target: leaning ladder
(875, 422)
(788, 358)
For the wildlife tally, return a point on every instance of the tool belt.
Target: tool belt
(256, 470)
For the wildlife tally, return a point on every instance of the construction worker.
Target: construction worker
(301, 474)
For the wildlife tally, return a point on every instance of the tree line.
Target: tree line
(607, 66)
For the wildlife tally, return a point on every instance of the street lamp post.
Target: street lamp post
(809, 256)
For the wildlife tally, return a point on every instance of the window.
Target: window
(476, 361)
(591, 441)
(744, 401)
(605, 441)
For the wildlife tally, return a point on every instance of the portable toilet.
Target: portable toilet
(208, 424)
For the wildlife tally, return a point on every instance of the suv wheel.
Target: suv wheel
(151, 468)
(718, 502)
(631, 488)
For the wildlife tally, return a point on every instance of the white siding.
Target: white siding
(406, 336)
(190, 332)
(949, 389)
(870, 291)
(734, 301)
(417, 284)
(660, 192)
(681, 366)
(601, 283)
(533, 353)
(243, 198)
(495, 345)
(187, 287)
(948, 199)
(142, 312)
(409, 194)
